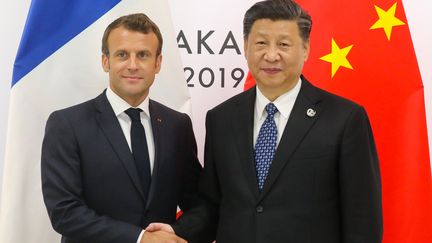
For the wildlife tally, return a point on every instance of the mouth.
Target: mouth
(131, 78)
(271, 70)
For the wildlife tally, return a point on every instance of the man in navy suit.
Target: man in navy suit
(102, 182)
(285, 162)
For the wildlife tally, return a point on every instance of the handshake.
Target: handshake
(160, 233)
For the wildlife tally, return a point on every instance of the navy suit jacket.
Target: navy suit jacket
(89, 180)
(323, 185)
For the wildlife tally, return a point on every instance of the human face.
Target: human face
(132, 63)
(275, 54)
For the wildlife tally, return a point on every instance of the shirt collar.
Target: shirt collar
(119, 105)
(283, 103)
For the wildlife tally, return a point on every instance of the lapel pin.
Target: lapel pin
(311, 112)
(159, 120)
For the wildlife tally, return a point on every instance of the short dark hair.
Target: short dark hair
(278, 10)
(136, 22)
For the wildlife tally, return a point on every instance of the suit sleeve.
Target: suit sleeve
(191, 168)
(63, 191)
(198, 225)
(359, 182)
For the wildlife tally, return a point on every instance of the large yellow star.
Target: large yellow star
(338, 57)
(387, 20)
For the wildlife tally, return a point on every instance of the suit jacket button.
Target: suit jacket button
(259, 209)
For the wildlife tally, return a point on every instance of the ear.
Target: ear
(105, 63)
(158, 63)
(306, 46)
(245, 47)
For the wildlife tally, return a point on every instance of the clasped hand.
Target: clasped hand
(160, 233)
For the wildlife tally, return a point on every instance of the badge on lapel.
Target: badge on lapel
(310, 112)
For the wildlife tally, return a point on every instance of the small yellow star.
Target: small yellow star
(338, 57)
(387, 20)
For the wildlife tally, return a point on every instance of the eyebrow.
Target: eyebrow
(146, 51)
(280, 36)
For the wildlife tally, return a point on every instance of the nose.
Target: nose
(272, 54)
(132, 65)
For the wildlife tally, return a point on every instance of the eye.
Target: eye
(284, 44)
(260, 43)
(121, 54)
(143, 54)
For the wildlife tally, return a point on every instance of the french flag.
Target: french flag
(58, 64)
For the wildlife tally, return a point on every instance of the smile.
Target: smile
(132, 77)
(271, 70)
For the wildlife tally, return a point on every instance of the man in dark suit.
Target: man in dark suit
(285, 161)
(115, 163)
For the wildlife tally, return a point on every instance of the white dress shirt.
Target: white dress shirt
(283, 103)
(120, 106)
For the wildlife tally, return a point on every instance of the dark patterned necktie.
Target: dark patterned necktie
(265, 146)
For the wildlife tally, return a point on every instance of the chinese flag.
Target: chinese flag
(362, 50)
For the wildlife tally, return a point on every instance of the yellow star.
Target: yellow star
(338, 57)
(387, 20)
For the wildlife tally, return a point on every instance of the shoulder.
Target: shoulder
(82, 111)
(332, 107)
(163, 111)
(339, 101)
(243, 100)
(327, 99)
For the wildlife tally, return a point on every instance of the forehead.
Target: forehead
(122, 38)
(279, 28)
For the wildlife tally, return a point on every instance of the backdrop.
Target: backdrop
(209, 48)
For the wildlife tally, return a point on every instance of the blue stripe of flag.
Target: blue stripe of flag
(52, 23)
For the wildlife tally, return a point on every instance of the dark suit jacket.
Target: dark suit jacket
(323, 185)
(89, 180)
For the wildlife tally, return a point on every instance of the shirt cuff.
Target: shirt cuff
(140, 236)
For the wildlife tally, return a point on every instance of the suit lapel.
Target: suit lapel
(242, 121)
(158, 136)
(297, 127)
(112, 130)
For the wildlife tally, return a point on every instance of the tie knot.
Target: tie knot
(134, 113)
(271, 109)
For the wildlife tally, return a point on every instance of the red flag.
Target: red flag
(249, 82)
(363, 50)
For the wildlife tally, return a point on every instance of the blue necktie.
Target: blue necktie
(139, 148)
(265, 146)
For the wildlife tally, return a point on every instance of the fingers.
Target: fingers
(161, 237)
(159, 226)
